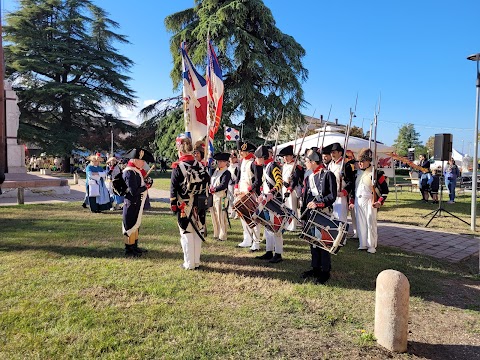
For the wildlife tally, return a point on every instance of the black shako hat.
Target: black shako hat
(327, 149)
(288, 150)
(313, 155)
(262, 152)
(245, 146)
(336, 147)
(141, 154)
(221, 156)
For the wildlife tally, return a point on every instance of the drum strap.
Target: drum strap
(316, 190)
(267, 172)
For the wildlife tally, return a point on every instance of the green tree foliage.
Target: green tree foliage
(357, 132)
(61, 58)
(430, 144)
(262, 66)
(407, 138)
(163, 122)
(167, 131)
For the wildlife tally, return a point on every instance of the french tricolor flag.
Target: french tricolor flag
(194, 99)
(214, 95)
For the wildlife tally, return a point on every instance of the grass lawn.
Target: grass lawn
(68, 292)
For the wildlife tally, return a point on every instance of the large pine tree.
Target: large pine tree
(262, 66)
(61, 58)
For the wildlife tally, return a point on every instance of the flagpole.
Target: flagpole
(208, 154)
(224, 141)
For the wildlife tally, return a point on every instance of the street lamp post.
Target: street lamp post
(111, 139)
(475, 57)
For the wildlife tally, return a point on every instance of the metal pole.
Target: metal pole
(475, 156)
(3, 121)
(111, 140)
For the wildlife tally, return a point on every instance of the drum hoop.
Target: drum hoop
(286, 217)
(335, 242)
(261, 221)
(243, 200)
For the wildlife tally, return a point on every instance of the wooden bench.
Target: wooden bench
(30, 182)
(402, 185)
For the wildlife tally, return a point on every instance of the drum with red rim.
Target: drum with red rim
(325, 232)
(245, 205)
(274, 215)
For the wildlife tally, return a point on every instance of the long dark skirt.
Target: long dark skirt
(94, 207)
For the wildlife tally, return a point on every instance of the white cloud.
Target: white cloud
(131, 114)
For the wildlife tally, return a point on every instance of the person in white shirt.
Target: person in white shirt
(249, 180)
(234, 168)
(292, 175)
(340, 206)
(218, 188)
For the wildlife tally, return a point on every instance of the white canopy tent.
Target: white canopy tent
(354, 143)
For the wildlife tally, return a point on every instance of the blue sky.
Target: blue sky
(412, 52)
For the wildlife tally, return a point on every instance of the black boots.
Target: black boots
(267, 256)
(322, 277)
(139, 249)
(276, 258)
(131, 251)
(308, 273)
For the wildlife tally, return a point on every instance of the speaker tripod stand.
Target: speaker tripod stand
(438, 212)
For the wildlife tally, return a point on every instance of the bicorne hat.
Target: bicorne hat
(336, 147)
(221, 156)
(288, 150)
(327, 149)
(262, 152)
(140, 154)
(245, 146)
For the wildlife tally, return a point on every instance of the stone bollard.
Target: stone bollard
(20, 196)
(75, 178)
(391, 310)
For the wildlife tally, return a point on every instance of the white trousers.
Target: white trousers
(366, 218)
(231, 199)
(274, 241)
(354, 222)
(340, 208)
(250, 235)
(291, 202)
(191, 246)
(219, 218)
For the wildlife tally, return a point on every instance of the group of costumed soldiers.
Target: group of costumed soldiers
(331, 182)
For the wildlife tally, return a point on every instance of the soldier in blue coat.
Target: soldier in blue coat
(135, 197)
(320, 192)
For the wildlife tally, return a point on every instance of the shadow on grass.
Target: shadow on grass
(351, 269)
(91, 252)
(442, 351)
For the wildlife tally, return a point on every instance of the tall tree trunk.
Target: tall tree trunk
(249, 127)
(66, 164)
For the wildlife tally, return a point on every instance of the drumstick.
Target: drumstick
(149, 171)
